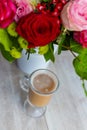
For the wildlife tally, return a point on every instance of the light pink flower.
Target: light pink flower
(7, 12)
(74, 15)
(24, 7)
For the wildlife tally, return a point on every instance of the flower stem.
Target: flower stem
(83, 85)
(68, 48)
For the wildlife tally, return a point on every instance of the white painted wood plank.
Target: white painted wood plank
(66, 111)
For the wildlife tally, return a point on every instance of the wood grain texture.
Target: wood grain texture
(66, 111)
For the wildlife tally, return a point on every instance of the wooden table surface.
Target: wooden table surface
(66, 111)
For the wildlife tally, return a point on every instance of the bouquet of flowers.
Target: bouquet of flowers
(30, 24)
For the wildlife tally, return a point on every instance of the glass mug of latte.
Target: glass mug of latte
(40, 86)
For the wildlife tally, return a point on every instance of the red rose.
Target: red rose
(38, 29)
(81, 37)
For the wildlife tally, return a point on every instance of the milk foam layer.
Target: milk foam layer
(44, 83)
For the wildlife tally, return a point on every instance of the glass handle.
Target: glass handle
(24, 83)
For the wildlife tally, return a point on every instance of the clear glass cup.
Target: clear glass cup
(40, 86)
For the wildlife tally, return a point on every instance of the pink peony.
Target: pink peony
(23, 8)
(74, 15)
(81, 37)
(7, 12)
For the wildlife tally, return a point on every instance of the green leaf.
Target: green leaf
(80, 64)
(15, 42)
(84, 88)
(6, 54)
(62, 38)
(66, 43)
(50, 53)
(75, 46)
(5, 40)
(32, 50)
(45, 0)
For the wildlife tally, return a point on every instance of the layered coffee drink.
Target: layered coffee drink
(42, 87)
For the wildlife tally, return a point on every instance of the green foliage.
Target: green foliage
(84, 88)
(15, 42)
(6, 54)
(50, 53)
(11, 29)
(15, 53)
(22, 42)
(30, 51)
(63, 41)
(66, 42)
(45, 1)
(80, 64)
(74, 46)
(62, 38)
(43, 49)
(5, 40)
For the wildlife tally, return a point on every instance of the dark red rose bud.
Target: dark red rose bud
(41, 6)
(64, 1)
(55, 12)
(55, 1)
(59, 6)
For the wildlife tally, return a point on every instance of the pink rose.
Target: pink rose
(23, 8)
(74, 15)
(81, 37)
(7, 12)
